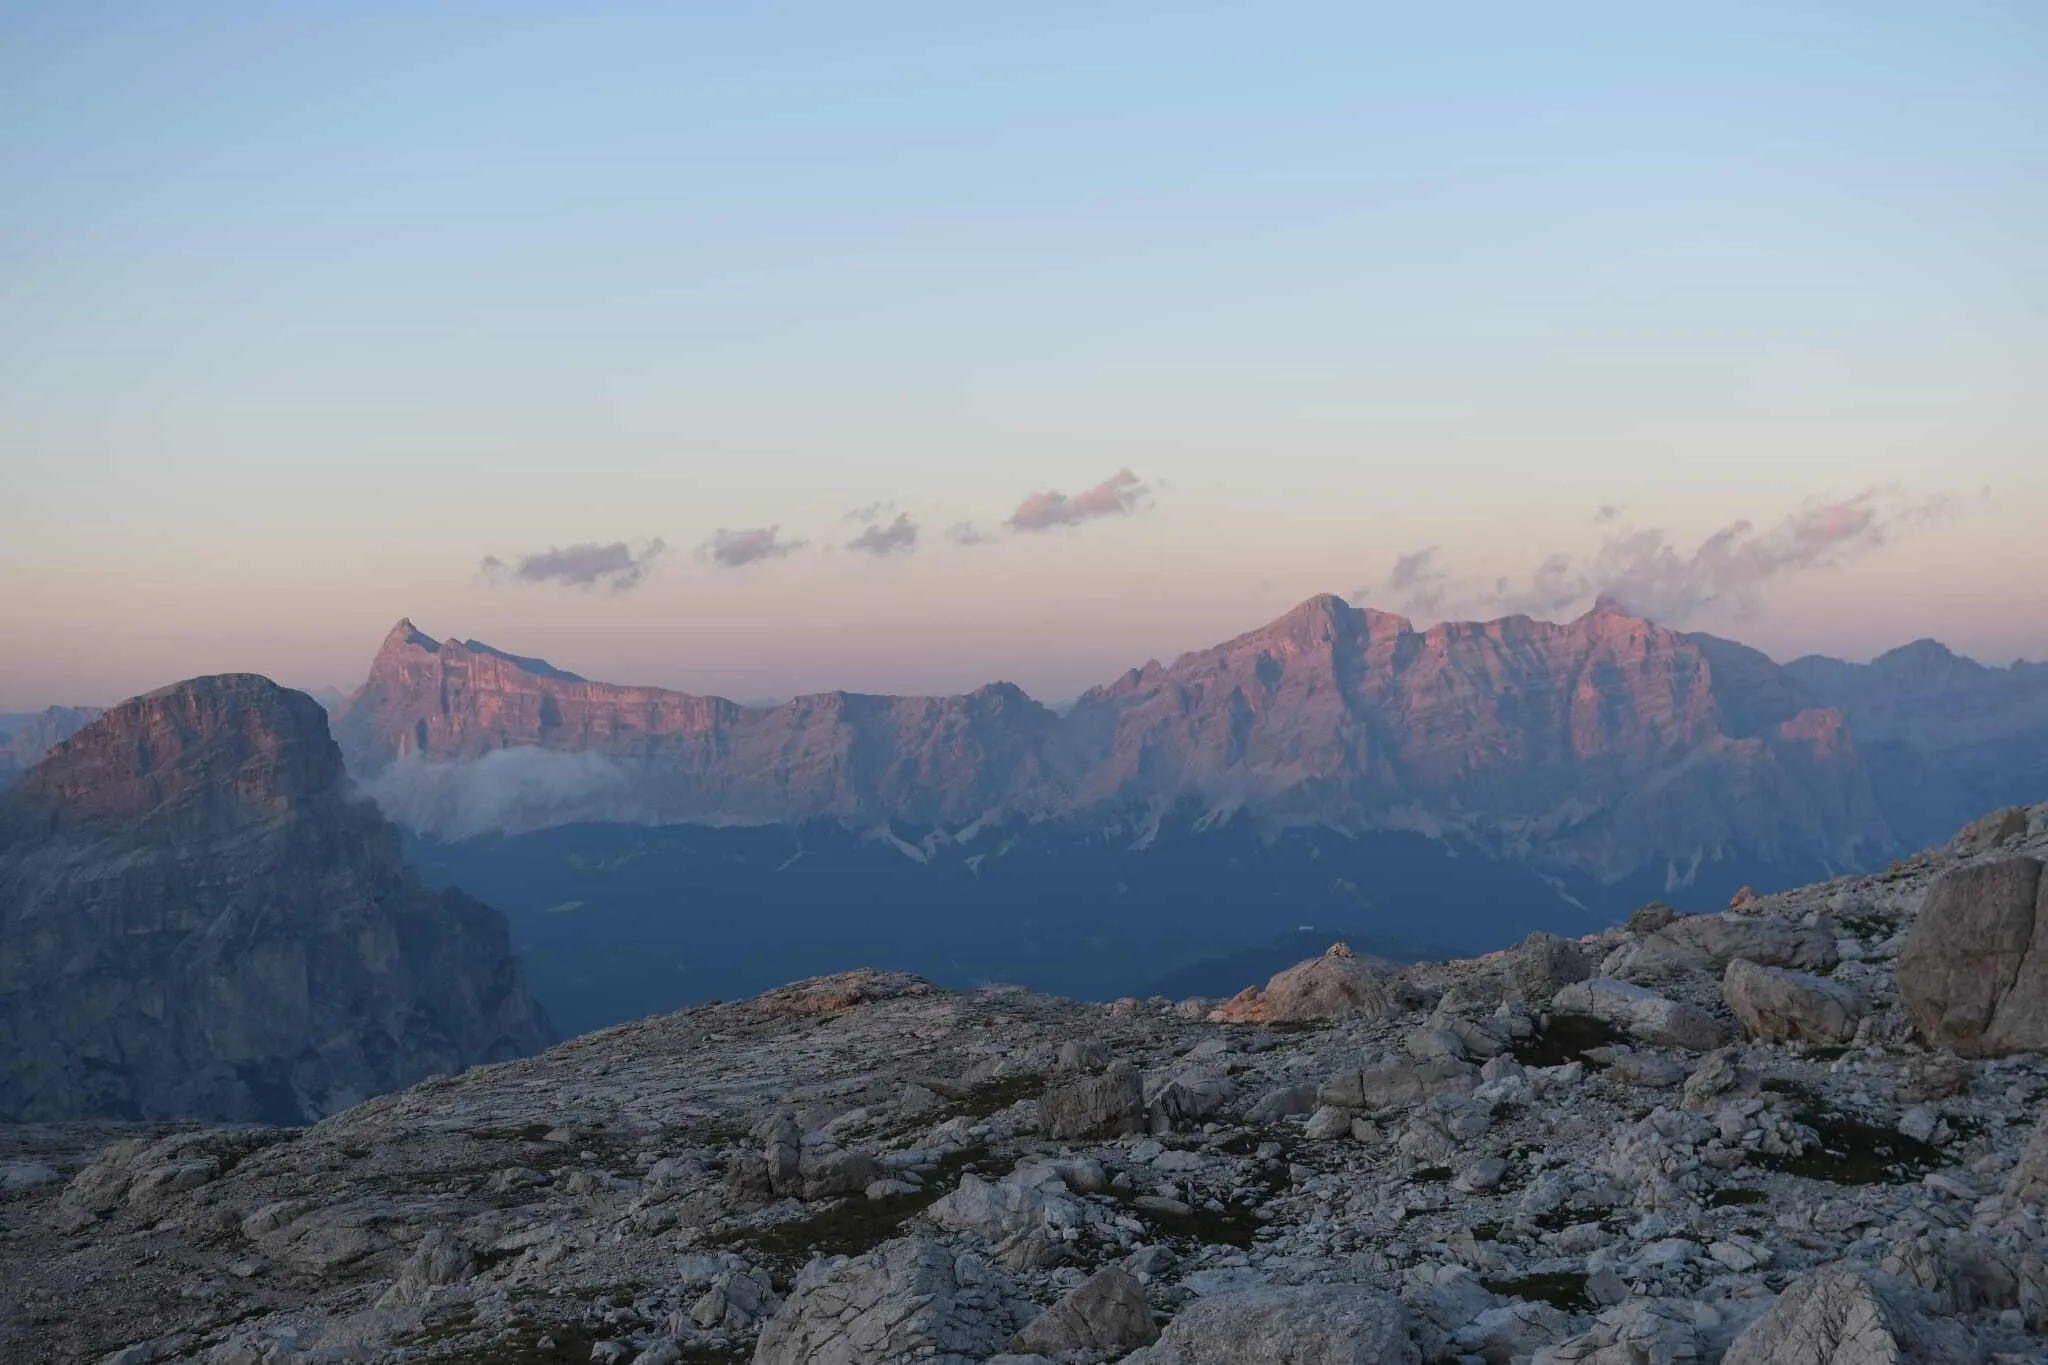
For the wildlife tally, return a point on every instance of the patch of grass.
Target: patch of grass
(1561, 1289)
(1734, 1196)
(1557, 1220)
(1234, 1226)
(1852, 1152)
(1486, 1232)
(527, 1132)
(849, 1226)
(1566, 1038)
(1430, 1175)
(1000, 1094)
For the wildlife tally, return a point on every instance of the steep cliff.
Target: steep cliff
(199, 920)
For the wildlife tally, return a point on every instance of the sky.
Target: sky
(901, 347)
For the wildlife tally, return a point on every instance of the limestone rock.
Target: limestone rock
(1333, 1324)
(1779, 1005)
(1850, 1316)
(1389, 1085)
(1106, 1316)
(1337, 985)
(1651, 1017)
(1092, 1106)
(1766, 942)
(906, 1300)
(1973, 972)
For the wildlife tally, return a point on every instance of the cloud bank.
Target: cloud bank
(1115, 496)
(732, 549)
(1649, 574)
(582, 566)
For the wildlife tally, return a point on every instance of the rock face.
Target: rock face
(1974, 968)
(198, 921)
(1636, 745)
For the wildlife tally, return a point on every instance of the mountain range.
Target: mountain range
(1455, 787)
(1606, 746)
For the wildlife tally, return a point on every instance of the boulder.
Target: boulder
(1973, 972)
(906, 1300)
(1389, 1085)
(1337, 985)
(1541, 966)
(1645, 1014)
(1790, 1006)
(1324, 1324)
(1648, 919)
(1766, 942)
(1987, 832)
(1101, 1319)
(1847, 1315)
(1111, 1104)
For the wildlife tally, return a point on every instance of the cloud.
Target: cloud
(731, 549)
(582, 566)
(967, 533)
(506, 790)
(1651, 575)
(1608, 512)
(1115, 496)
(874, 511)
(899, 536)
(1417, 582)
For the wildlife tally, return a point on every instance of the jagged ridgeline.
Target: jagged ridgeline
(1808, 1129)
(200, 919)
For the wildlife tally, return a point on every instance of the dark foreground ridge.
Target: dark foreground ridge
(1723, 1139)
(198, 920)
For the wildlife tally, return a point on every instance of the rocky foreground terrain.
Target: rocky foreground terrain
(1809, 1131)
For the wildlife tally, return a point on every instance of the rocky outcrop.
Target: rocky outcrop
(197, 920)
(1337, 985)
(1850, 1317)
(1095, 1106)
(1606, 744)
(1974, 969)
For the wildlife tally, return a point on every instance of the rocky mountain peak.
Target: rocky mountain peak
(198, 920)
(206, 754)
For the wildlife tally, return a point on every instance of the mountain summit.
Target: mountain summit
(1606, 744)
(198, 920)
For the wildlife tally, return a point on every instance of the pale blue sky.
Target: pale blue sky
(306, 309)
